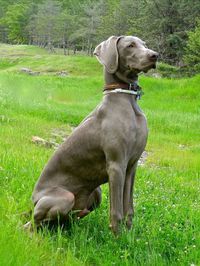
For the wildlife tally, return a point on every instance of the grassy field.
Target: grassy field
(167, 193)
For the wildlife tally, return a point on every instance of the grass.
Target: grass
(167, 215)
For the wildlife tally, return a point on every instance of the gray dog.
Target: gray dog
(105, 147)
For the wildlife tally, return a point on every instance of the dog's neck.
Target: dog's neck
(118, 77)
(121, 82)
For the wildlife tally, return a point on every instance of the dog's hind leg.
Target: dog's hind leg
(95, 199)
(55, 204)
(93, 202)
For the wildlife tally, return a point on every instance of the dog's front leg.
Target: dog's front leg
(128, 196)
(116, 175)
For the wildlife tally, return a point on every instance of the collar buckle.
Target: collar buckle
(135, 87)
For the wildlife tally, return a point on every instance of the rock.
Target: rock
(25, 70)
(58, 136)
(183, 147)
(29, 71)
(143, 158)
(34, 73)
(63, 73)
(157, 75)
(49, 144)
(38, 140)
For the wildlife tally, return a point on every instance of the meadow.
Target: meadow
(166, 227)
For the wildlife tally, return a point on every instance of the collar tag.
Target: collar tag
(135, 87)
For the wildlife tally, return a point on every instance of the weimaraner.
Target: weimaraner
(105, 147)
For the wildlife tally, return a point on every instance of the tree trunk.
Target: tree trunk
(64, 47)
(74, 50)
(91, 49)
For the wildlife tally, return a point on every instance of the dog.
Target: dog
(105, 147)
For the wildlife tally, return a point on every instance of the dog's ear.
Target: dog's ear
(107, 54)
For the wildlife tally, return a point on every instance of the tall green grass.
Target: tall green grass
(166, 227)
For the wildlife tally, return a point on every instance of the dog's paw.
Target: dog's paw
(115, 229)
(28, 227)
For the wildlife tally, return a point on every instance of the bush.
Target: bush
(192, 51)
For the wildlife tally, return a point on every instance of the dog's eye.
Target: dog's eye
(131, 45)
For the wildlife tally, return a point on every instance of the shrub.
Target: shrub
(192, 51)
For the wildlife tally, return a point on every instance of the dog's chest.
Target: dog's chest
(138, 136)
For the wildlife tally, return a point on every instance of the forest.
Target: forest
(170, 27)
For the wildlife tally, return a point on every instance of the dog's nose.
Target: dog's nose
(153, 56)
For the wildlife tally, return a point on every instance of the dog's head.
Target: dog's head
(126, 54)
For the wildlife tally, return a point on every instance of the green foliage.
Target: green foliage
(15, 20)
(166, 70)
(167, 218)
(81, 24)
(192, 51)
(164, 23)
(44, 25)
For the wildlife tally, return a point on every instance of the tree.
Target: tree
(15, 21)
(66, 25)
(3, 29)
(192, 51)
(44, 25)
(163, 24)
(86, 32)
